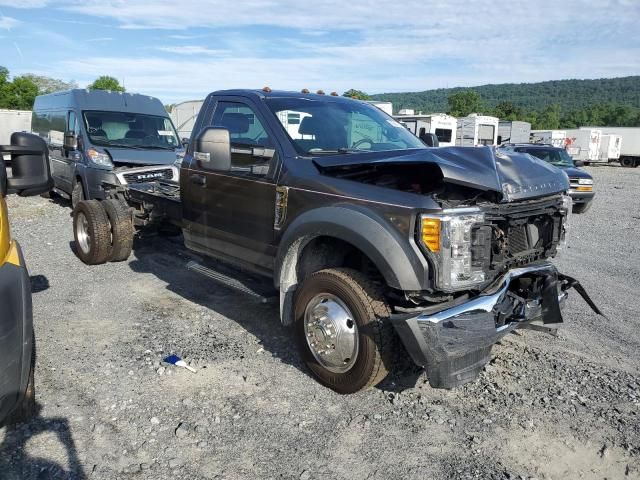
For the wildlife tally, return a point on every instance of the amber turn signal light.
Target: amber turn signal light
(431, 234)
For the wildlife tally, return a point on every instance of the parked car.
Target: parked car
(95, 136)
(30, 175)
(358, 230)
(580, 181)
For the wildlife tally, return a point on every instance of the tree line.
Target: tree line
(19, 92)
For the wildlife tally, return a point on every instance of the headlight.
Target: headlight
(585, 181)
(448, 239)
(99, 159)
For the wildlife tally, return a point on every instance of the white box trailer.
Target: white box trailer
(386, 107)
(610, 145)
(476, 130)
(584, 144)
(629, 146)
(13, 121)
(557, 138)
(441, 125)
(184, 116)
(513, 132)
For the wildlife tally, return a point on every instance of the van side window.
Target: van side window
(246, 132)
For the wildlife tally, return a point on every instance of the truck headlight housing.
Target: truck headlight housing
(566, 209)
(448, 240)
(99, 159)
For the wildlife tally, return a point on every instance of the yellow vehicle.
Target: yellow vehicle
(29, 175)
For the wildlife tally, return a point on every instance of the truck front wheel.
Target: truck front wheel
(343, 331)
(92, 232)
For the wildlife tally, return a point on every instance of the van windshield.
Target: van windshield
(554, 156)
(325, 127)
(130, 130)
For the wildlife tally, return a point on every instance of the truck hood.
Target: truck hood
(514, 176)
(142, 157)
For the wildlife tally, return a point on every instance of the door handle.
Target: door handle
(198, 179)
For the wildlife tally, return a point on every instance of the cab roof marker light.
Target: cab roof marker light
(320, 92)
(304, 90)
(334, 94)
(266, 89)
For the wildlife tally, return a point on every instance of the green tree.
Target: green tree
(359, 94)
(18, 94)
(105, 82)
(549, 118)
(464, 102)
(507, 111)
(50, 85)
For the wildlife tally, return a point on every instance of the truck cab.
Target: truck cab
(29, 175)
(363, 233)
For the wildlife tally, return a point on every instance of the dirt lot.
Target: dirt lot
(564, 407)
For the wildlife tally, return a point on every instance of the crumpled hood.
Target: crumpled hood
(142, 157)
(515, 176)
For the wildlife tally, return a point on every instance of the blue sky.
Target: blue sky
(183, 50)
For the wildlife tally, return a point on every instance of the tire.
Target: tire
(628, 162)
(77, 193)
(582, 208)
(122, 230)
(25, 410)
(92, 232)
(374, 334)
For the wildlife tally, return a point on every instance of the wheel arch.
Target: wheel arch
(361, 231)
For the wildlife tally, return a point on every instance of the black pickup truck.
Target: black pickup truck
(363, 233)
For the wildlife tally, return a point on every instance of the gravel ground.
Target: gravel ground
(545, 407)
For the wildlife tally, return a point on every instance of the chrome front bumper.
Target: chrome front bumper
(454, 344)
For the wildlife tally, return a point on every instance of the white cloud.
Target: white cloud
(191, 50)
(7, 23)
(24, 3)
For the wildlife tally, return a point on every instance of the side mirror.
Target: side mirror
(430, 140)
(499, 139)
(70, 141)
(184, 142)
(212, 149)
(30, 171)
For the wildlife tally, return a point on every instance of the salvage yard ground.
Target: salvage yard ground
(545, 407)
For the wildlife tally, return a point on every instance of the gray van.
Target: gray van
(96, 136)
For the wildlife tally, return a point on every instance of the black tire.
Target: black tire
(376, 338)
(77, 193)
(92, 232)
(582, 208)
(122, 230)
(628, 162)
(25, 410)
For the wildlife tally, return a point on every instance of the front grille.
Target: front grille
(148, 175)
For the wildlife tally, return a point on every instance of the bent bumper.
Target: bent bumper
(454, 344)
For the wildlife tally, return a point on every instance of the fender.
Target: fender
(393, 254)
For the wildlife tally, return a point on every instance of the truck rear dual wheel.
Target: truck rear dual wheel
(628, 162)
(343, 331)
(103, 231)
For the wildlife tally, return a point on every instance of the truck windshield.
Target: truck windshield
(130, 130)
(554, 156)
(318, 126)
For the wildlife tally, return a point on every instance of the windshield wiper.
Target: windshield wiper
(342, 150)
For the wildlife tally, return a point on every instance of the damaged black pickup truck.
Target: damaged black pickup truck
(364, 234)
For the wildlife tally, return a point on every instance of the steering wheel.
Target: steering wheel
(362, 141)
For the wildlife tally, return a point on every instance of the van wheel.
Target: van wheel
(26, 408)
(92, 232)
(122, 230)
(343, 331)
(77, 193)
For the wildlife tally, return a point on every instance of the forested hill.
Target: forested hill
(569, 95)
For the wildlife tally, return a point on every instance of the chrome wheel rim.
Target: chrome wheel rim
(331, 333)
(82, 232)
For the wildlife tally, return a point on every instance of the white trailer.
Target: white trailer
(513, 132)
(557, 138)
(441, 125)
(476, 130)
(630, 144)
(13, 121)
(184, 116)
(610, 145)
(584, 144)
(386, 107)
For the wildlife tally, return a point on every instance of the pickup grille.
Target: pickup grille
(148, 175)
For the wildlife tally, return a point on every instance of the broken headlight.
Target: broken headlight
(448, 238)
(566, 209)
